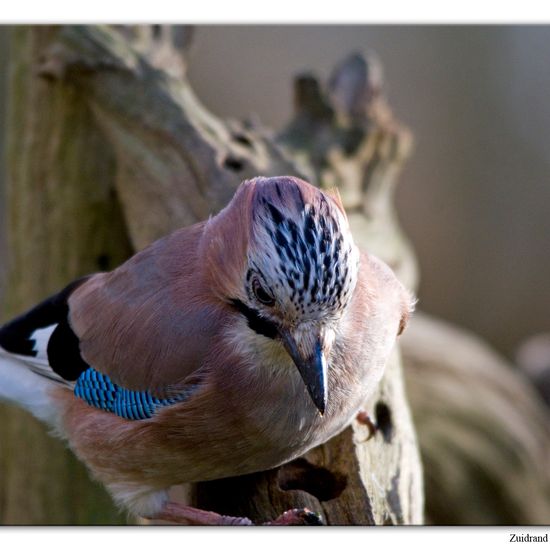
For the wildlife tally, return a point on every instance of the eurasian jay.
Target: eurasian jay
(228, 347)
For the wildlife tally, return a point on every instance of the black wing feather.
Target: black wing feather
(63, 347)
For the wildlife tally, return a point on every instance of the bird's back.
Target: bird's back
(150, 322)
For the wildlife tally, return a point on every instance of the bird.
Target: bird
(228, 347)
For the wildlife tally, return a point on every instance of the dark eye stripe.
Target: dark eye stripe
(255, 322)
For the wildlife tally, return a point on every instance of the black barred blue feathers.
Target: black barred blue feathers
(99, 391)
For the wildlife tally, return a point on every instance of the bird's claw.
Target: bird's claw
(232, 520)
(364, 418)
(297, 516)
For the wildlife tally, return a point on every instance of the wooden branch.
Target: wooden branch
(177, 163)
(164, 46)
(348, 134)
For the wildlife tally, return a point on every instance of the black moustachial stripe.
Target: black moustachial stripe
(255, 322)
(63, 349)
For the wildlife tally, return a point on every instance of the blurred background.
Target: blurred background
(474, 197)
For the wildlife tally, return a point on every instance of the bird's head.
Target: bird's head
(297, 270)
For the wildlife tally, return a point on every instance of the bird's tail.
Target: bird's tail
(27, 383)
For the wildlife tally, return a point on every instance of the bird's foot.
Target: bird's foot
(297, 516)
(364, 418)
(174, 512)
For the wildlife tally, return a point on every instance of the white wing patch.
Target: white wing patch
(38, 364)
(41, 338)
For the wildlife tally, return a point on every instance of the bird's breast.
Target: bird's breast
(277, 414)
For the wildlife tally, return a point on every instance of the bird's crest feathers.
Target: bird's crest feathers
(301, 247)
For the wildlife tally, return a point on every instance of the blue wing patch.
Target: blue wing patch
(99, 391)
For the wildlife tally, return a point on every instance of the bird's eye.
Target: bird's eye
(261, 293)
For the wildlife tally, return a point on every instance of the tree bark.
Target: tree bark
(62, 222)
(176, 163)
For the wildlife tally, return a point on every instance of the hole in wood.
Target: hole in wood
(233, 164)
(103, 262)
(384, 420)
(242, 139)
(301, 475)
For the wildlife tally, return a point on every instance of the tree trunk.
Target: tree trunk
(175, 163)
(63, 221)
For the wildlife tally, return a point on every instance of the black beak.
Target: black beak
(312, 366)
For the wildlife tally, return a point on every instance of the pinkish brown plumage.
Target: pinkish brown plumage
(246, 340)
